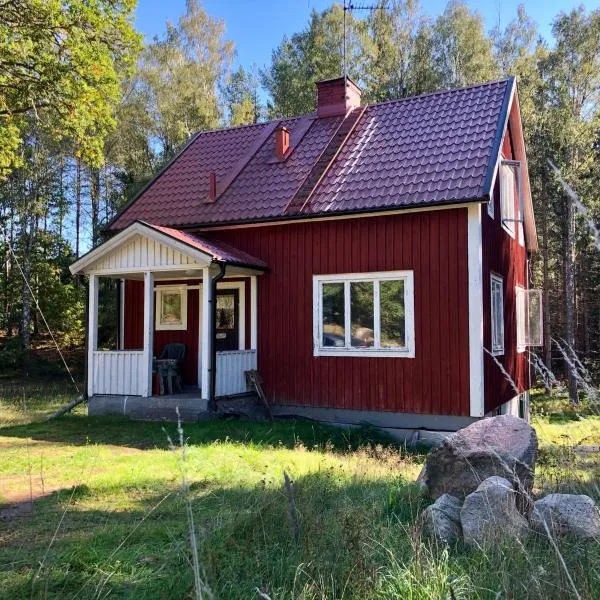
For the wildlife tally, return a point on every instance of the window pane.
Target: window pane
(171, 308)
(497, 316)
(333, 315)
(534, 308)
(391, 314)
(361, 314)
(225, 311)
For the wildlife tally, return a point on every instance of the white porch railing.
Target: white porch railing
(230, 371)
(119, 372)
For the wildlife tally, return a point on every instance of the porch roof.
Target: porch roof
(146, 247)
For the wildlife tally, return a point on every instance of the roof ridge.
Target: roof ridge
(442, 92)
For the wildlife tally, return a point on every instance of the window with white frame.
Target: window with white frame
(497, 307)
(510, 197)
(521, 319)
(530, 330)
(171, 307)
(364, 314)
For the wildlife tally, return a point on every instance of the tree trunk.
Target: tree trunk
(26, 296)
(77, 207)
(570, 297)
(546, 292)
(95, 198)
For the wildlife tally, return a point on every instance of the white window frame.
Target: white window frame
(496, 280)
(511, 222)
(160, 290)
(408, 351)
(521, 318)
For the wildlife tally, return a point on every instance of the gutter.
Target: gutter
(212, 366)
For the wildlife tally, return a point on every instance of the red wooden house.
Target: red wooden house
(370, 261)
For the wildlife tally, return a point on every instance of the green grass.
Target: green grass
(110, 517)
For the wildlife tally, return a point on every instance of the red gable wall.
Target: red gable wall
(505, 256)
(432, 243)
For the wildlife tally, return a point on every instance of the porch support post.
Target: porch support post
(206, 344)
(253, 312)
(146, 374)
(92, 331)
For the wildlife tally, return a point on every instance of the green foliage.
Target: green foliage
(179, 76)
(60, 63)
(241, 98)
(462, 53)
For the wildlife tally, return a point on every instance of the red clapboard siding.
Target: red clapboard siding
(505, 256)
(433, 244)
(133, 321)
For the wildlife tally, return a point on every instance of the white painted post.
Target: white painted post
(92, 331)
(148, 334)
(122, 315)
(206, 345)
(475, 265)
(253, 312)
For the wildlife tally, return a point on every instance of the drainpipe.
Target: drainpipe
(84, 282)
(212, 367)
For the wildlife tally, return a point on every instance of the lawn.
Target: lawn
(109, 515)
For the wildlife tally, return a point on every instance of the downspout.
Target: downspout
(212, 366)
(86, 284)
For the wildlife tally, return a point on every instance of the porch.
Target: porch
(175, 288)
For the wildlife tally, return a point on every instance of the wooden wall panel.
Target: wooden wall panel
(432, 244)
(505, 256)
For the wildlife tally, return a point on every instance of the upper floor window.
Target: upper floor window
(497, 316)
(364, 314)
(510, 198)
(530, 330)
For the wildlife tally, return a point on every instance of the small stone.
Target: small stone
(489, 515)
(566, 514)
(441, 520)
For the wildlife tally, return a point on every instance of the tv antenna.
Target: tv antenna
(352, 7)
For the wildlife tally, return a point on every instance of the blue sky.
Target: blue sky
(257, 26)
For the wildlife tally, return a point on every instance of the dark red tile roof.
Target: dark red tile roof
(218, 250)
(426, 150)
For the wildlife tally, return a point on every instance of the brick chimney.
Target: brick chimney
(337, 96)
(282, 141)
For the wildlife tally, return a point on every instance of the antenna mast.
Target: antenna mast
(349, 6)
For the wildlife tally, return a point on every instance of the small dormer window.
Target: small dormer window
(510, 195)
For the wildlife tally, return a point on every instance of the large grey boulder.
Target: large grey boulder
(441, 520)
(505, 446)
(566, 514)
(489, 515)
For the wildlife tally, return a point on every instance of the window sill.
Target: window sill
(498, 352)
(344, 353)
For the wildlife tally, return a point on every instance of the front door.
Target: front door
(227, 321)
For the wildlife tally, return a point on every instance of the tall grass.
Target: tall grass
(126, 526)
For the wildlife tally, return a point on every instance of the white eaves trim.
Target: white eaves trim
(86, 263)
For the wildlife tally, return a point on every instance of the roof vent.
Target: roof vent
(212, 186)
(337, 96)
(282, 141)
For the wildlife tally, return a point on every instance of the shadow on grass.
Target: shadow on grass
(120, 431)
(244, 534)
(352, 531)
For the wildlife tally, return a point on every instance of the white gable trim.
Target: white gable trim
(92, 261)
(526, 199)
